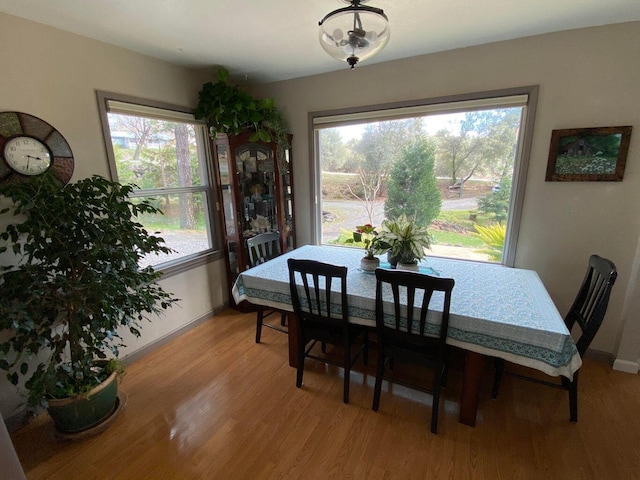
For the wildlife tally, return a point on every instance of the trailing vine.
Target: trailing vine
(228, 109)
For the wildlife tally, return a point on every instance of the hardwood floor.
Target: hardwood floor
(212, 404)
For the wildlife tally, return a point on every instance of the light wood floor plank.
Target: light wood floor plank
(214, 405)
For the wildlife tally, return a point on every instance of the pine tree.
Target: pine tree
(412, 187)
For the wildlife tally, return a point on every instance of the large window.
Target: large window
(163, 150)
(457, 165)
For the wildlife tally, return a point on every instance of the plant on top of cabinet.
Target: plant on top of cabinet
(228, 109)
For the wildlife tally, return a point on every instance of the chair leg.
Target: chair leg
(378, 386)
(445, 370)
(283, 319)
(260, 317)
(347, 371)
(573, 398)
(300, 367)
(437, 386)
(499, 366)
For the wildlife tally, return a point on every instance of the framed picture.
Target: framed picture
(588, 154)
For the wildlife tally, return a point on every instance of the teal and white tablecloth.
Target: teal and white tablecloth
(495, 310)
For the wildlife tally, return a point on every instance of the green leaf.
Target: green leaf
(264, 136)
(223, 74)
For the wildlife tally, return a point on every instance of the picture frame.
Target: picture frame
(588, 154)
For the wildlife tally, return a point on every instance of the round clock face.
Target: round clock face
(29, 146)
(27, 155)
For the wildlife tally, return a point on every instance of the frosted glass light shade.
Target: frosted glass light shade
(354, 33)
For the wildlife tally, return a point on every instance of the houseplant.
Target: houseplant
(73, 284)
(405, 240)
(368, 237)
(228, 109)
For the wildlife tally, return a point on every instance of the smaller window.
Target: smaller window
(163, 152)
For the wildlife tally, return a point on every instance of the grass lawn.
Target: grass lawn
(458, 239)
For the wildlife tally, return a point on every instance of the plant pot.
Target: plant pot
(411, 267)
(80, 413)
(392, 259)
(369, 264)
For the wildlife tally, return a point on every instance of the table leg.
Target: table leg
(471, 385)
(292, 323)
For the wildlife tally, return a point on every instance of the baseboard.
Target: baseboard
(599, 356)
(617, 364)
(24, 416)
(20, 419)
(150, 347)
(626, 366)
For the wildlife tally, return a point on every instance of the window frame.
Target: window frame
(446, 104)
(144, 107)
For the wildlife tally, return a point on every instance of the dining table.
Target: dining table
(496, 311)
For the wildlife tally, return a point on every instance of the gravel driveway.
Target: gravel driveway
(346, 214)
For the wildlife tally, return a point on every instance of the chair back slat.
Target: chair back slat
(263, 247)
(403, 324)
(590, 306)
(321, 283)
(426, 300)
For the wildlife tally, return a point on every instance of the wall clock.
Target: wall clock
(30, 146)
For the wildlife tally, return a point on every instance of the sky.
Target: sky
(432, 123)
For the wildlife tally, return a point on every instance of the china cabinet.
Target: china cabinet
(255, 185)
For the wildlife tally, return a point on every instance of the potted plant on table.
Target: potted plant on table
(367, 236)
(74, 283)
(406, 241)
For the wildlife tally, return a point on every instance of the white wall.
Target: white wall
(587, 78)
(54, 75)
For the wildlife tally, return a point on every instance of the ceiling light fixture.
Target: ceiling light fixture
(354, 33)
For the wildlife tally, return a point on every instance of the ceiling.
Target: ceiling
(269, 40)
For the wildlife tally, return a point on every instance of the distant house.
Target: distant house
(577, 148)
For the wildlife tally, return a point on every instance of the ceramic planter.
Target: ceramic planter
(83, 412)
(412, 267)
(392, 259)
(369, 264)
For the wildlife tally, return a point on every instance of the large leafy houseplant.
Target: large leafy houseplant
(405, 239)
(73, 282)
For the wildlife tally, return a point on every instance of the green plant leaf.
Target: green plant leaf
(223, 74)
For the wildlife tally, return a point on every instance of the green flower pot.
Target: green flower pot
(76, 414)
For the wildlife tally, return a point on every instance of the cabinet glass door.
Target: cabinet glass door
(256, 181)
(228, 206)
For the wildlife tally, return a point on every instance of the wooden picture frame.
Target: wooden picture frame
(588, 154)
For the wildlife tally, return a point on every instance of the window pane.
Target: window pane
(162, 150)
(154, 153)
(183, 225)
(452, 172)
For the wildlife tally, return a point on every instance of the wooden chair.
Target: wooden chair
(404, 332)
(587, 311)
(261, 248)
(319, 297)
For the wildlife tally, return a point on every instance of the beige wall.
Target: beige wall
(54, 75)
(587, 78)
